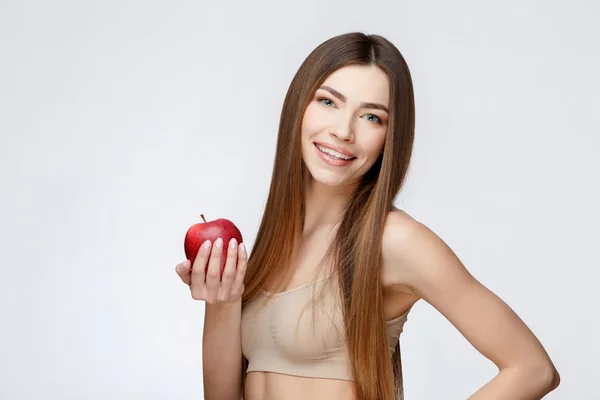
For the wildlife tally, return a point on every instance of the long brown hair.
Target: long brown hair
(356, 247)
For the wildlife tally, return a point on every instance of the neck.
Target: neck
(323, 204)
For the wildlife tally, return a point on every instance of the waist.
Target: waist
(275, 386)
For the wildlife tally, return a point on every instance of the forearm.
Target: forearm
(222, 352)
(519, 384)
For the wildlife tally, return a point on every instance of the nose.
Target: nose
(343, 131)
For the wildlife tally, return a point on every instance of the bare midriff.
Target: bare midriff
(274, 386)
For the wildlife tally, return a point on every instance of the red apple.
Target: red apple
(198, 233)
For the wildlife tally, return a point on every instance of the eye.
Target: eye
(326, 101)
(376, 119)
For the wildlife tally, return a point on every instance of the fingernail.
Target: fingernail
(242, 247)
(232, 243)
(206, 245)
(184, 265)
(219, 243)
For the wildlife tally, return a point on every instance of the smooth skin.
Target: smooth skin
(221, 350)
(209, 286)
(417, 264)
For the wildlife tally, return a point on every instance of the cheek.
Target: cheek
(314, 121)
(373, 143)
(380, 142)
(305, 129)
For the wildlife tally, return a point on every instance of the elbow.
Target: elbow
(538, 378)
(554, 379)
(547, 377)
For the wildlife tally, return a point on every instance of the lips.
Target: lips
(332, 160)
(336, 149)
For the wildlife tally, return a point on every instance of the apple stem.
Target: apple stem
(202, 215)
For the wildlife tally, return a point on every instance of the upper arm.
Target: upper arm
(416, 258)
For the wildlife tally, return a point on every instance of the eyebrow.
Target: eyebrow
(343, 98)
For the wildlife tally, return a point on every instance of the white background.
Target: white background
(122, 121)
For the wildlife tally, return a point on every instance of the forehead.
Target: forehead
(361, 83)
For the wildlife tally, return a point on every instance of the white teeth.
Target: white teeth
(333, 153)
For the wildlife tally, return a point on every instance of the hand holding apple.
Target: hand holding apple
(200, 232)
(222, 289)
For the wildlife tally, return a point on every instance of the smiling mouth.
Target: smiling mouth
(333, 154)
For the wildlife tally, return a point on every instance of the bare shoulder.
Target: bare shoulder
(412, 253)
(418, 262)
(399, 227)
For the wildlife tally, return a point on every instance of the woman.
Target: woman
(332, 242)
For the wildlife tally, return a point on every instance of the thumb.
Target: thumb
(184, 271)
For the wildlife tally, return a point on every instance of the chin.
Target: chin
(331, 182)
(326, 178)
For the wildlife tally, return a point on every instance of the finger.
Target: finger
(184, 272)
(198, 285)
(213, 274)
(237, 288)
(229, 271)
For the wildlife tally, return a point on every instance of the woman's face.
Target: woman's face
(348, 113)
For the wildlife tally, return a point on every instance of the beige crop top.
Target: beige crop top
(281, 337)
